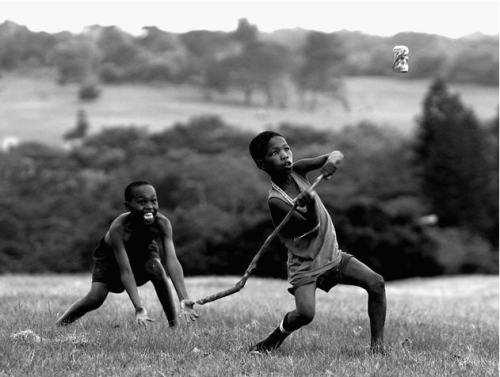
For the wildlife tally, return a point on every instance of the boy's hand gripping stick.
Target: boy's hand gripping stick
(240, 284)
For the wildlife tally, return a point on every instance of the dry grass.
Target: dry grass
(35, 107)
(451, 324)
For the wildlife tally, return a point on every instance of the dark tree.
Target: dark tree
(452, 162)
(323, 60)
(246, 32)
(116, 47)
(76, 60)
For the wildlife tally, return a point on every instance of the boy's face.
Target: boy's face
(279, 157)
(144, 204)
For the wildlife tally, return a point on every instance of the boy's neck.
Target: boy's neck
(135, 223)
(282, 181)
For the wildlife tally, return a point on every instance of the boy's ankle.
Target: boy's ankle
(272, 342)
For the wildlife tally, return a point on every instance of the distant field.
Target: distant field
(36, 108)
(451, 324)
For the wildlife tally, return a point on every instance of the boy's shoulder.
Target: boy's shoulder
(117, 228)
(162, 220)
(119, 221)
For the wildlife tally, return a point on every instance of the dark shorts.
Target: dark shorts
(106, 268)
(328, 279)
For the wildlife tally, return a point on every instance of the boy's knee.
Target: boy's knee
(95, 300)
(305, 317)
(154, 269)
(377, 284)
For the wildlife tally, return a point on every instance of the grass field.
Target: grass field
(451, 324)
(34, 107)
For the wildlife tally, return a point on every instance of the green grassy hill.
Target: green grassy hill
(34, 107)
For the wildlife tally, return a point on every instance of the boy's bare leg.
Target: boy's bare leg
(159, 279)
(305, 307)
(91, 301)
(360, 275)
(305, 302)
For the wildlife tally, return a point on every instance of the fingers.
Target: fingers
(190, 315)
(305, 198)
(187, 311)
(330, 166)
(144, 321)
(328, 170)
(191, 318)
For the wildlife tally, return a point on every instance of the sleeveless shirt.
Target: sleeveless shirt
(310, 254)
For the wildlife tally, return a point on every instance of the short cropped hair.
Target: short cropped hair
(258, 146)
(129, 190)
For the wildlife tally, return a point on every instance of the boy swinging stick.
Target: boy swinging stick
(314, 258)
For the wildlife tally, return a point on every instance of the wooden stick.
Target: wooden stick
(240, 284)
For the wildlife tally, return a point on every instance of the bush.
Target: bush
(111, 73)
(392, 244)
(89, 92)
(460, 252)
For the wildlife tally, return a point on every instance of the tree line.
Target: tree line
(419, 205)
(277, 65)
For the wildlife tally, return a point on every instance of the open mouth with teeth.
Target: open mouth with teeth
(148, 217)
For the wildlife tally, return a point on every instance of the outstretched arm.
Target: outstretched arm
(327, 163)
(176, 273)
(127, 276)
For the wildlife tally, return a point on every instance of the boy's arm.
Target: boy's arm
(175, 270)
(301, 221)
(126, 275)
(327, 163)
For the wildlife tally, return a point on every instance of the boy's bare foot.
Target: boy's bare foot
(378, 349)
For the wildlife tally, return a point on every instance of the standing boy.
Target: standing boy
(314, 258)
(128, 257)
